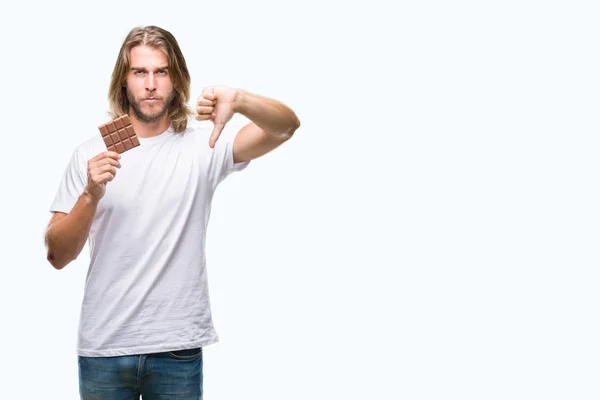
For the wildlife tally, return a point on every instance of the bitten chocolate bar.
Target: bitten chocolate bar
(119, 135)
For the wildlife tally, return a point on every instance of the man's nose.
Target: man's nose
(150, 81)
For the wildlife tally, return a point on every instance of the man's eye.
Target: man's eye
(138, 72)
(162, 72)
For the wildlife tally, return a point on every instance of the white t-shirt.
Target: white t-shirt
(146, 289)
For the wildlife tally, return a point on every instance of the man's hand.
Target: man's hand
(101, 170)
(217, 103)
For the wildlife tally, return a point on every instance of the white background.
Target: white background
(430, 232)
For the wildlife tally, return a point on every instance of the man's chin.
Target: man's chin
(150, 117)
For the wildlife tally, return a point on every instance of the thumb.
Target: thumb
(215, 134)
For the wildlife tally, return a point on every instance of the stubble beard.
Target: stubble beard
(155, 116)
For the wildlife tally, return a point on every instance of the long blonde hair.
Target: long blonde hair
(160, 39)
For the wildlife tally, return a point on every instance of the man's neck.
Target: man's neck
(149, 129)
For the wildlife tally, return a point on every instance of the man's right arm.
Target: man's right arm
(67, 233)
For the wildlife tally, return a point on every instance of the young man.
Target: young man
(146, 312)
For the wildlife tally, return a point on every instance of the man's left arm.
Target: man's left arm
(272, 124)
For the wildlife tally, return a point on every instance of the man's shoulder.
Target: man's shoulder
(198, 129)
(90, 146)
(203, 129)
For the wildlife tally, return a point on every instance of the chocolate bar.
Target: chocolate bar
(119, 135)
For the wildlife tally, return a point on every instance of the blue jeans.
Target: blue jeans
(157, 376)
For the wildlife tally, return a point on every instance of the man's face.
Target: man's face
(149, 87)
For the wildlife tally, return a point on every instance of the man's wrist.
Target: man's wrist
(89, 198)
(239, 104)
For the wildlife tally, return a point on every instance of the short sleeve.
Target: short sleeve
(71, 186)
(222, 164)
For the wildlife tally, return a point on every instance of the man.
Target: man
(145, 314)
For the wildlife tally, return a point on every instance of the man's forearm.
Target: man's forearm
(66, 237)
(270, 115)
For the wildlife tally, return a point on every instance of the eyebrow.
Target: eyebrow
(144, 69)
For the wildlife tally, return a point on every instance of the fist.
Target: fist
(217, 104)
(205, 107)
(101, 170)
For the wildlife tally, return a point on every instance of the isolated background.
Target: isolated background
(431, 231)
